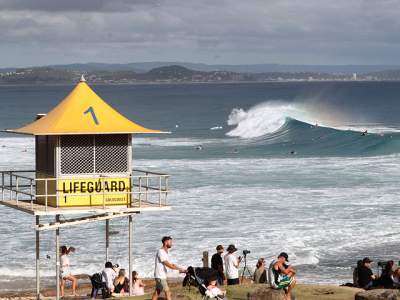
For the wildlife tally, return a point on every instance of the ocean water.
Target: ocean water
(283, 167)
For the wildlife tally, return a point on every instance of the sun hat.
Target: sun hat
(231, 248)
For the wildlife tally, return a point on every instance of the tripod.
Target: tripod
(246, 268)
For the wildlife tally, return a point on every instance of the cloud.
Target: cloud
(224, 31)
(74, 5)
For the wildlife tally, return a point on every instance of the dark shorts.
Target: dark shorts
(233, 281)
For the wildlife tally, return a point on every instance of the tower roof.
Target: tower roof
(82, 112)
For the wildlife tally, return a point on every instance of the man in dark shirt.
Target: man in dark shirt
(218, 264)
(365, 276)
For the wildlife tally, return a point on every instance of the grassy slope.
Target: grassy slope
(302, 292)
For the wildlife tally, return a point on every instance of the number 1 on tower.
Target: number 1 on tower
(91, 111)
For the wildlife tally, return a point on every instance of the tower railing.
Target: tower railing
(146, 188)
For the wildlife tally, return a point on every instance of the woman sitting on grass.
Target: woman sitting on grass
(386, 279)
(260, 274)
(121, 283)
(137, 285)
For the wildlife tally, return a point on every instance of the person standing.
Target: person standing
(108, 276)
(232, 265)
(65, 270)
(218, 265)
(162, 262)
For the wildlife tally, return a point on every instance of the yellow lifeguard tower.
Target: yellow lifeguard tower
(83, 167)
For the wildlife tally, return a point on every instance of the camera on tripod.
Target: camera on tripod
(382, 264)
(246, 268)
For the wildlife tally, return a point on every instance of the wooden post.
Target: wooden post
(37, 260)
(130, 254)
(58, 258)
(205, 259)
(107, 237)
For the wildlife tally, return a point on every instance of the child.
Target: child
(213, 291)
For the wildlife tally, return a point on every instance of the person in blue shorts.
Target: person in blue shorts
(281, 275)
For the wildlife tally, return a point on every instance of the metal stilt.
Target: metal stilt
(37, 260)
(130, 254)
(58, 258)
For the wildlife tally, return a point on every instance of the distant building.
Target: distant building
(354, 77)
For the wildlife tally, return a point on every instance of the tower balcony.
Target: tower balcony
(40, 195)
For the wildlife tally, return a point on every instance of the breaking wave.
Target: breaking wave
(274, 128)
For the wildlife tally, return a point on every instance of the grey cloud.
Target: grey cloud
(230, 31)
(74, 5)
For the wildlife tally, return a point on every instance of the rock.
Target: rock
(378, 294)
(267, 294)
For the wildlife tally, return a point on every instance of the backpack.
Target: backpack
(96, 280)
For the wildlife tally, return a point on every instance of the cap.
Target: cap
(367, 260)
(166, 238)
(220, 247)
(231, 248)
(285, 255)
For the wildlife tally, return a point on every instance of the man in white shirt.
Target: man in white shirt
(232, 265)
(160, 269)
(108, 275)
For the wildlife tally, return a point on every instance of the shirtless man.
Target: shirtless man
(283, 275)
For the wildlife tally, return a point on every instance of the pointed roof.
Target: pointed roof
(82, 112)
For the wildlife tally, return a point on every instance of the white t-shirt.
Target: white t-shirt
(108, 276)
(232, 272)
(160, 270)
(64, 265)
(214, 292)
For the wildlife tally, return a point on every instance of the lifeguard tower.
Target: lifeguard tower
(83, 171)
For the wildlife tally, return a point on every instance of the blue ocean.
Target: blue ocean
(310, 168)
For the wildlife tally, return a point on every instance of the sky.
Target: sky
(330, 32)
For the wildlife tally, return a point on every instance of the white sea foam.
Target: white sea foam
(269, 117)
(264, 118)
(322, 211)
(171, 142)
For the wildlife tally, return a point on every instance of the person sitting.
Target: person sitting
(365, 276)
(281, 275)
(260, 274)
(137, 285)
(108, 276)
(121, 283)
(396, 278)
(386, 279)
(355, 273)
(65, 270)
(213, 291)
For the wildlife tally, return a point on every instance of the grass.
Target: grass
(241, 292)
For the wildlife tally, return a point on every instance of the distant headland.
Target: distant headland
(164, 72)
